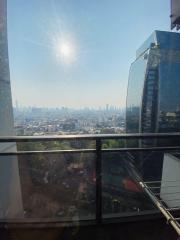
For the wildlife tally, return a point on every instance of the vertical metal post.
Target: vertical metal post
(98, 181)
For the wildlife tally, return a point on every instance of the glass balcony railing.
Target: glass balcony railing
(84, 178)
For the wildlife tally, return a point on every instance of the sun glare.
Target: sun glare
(65, 51)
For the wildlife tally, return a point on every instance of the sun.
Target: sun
(65, 51)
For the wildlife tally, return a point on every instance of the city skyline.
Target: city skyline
(77, 54)
(16, 105)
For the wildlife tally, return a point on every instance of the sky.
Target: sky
(77, 53)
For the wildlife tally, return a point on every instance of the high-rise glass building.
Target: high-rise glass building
(153, 96)
(10, 190)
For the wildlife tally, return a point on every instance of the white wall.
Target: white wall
(170, 187)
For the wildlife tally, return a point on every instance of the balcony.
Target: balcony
(86, 186)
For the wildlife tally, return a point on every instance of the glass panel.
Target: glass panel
(169, 101)
(122, 194)
(58, 186)
(146, 45)
(134, 95)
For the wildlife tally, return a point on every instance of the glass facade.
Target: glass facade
(135, 87)
(153, 103)
(145, 46)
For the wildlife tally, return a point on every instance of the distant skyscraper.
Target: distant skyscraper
(10, 193)
(153, 97)
(107, 107)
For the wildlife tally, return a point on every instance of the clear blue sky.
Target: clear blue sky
(104, 36)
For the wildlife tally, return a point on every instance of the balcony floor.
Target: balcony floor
(139, 229)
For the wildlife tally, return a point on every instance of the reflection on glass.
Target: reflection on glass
(58, 186)
(134, 95)
(153, 102)
(121, 192)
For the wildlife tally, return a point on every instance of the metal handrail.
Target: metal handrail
(122, 150)
(161, 204)
(88, 137)
(98, 150)
(170, 218)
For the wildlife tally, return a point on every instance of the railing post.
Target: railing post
(98, 181)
